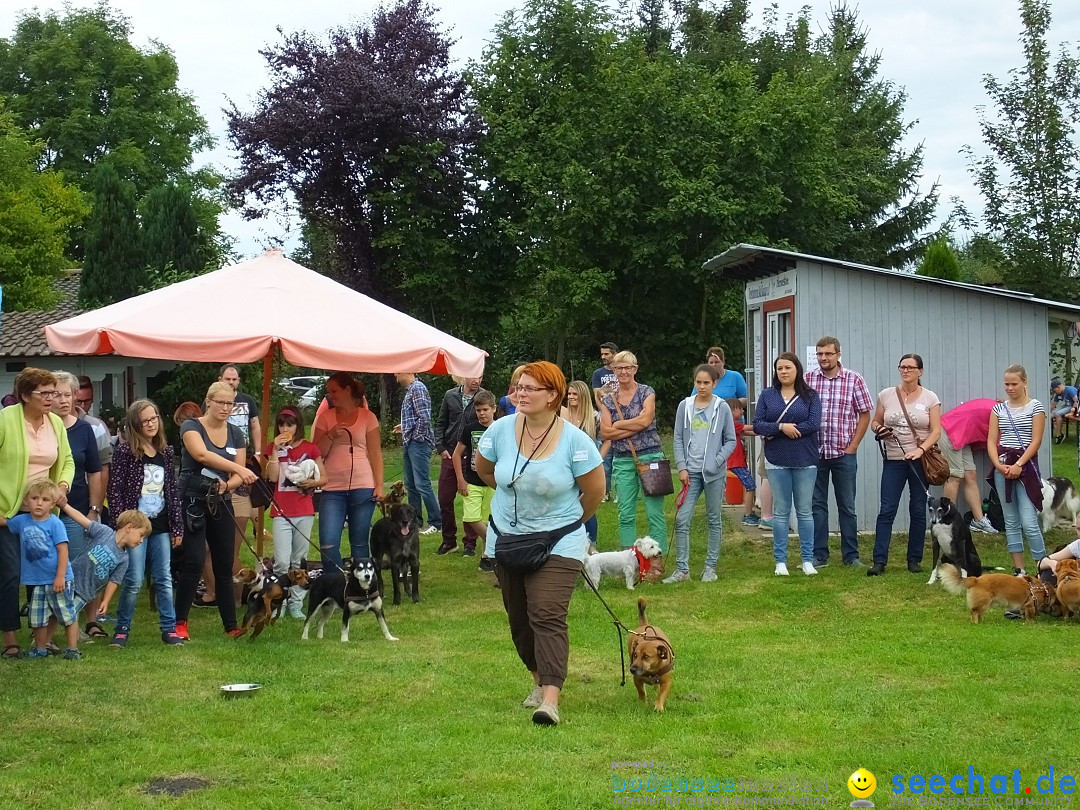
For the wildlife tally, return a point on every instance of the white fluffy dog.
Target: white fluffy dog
(624, 563)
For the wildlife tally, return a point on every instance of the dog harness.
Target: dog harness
(644, 564)
(655, 677)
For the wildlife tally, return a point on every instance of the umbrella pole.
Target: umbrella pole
(268, 373)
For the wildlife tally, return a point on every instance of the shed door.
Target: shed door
(779, 332)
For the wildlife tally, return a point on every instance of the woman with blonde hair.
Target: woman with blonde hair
(629, 416)
(213, 454)
(580, 412)
(144, 478)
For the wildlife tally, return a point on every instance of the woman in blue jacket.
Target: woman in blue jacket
(704, 438)
(788, 416)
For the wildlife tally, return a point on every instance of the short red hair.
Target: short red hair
(548, 375)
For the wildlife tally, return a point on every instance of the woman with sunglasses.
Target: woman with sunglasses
(212, 458)
(33, 444)
(292, 513)
(900, 409)
(144, 478)
(548, 477)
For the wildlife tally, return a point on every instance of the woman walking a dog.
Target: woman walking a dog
(548, 477)
(1016, 430)
(788, 416)
(907, 422)
(348, 437)
(628, 416)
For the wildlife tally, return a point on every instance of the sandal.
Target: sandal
(93, 629)
(52, 649)
(11, 652)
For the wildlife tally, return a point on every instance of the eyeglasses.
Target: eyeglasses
(623, 368)
(908, 368)
(529, 389)
(81, 402)
(47, 394)
(151, 421)
(224, 403)
(826, 354)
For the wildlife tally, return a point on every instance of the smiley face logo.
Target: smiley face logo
(862, 784)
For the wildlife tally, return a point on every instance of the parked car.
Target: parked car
(303, 384)
(310, 398)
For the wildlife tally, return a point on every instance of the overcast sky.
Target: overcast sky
(938, 50)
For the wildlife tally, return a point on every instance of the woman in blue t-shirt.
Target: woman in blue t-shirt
(547, 476)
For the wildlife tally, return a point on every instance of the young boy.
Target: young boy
(43, 551)
(737, 462)
(105, 561)
(476, 494)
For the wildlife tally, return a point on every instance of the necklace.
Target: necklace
(541, 437)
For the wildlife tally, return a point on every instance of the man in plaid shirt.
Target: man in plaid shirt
(419, 440)
(845, 415)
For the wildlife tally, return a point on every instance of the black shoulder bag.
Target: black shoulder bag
(525, 553)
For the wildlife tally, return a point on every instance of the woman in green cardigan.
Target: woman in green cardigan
(33, 444)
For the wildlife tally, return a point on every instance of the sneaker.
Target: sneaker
(36, 652)
(820, 563)
(172, 638)
(808, 569)
(676, 576)
(1013, 614)
(181, 630)
(750, 520)
(535, 699)
(470, 551)
(984, 526)
(236, 632)
(780, 570)
(709, 574)
(429, 530)
(764, 523)
(876, 570)
(856, 563)
(119, 639)
(546, 715)
(486, 565)
(72, 654)
(914, 567)
(297, 613)
(1019, 572)
(446, 548)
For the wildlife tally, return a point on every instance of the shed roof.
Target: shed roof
(748, 262)
(22, 334)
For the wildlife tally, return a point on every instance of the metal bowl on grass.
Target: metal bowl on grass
(235, 690)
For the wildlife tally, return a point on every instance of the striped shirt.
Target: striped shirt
(843, 399)
(416, 415)
(1015, 424)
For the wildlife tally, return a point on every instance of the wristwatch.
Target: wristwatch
(95, 509)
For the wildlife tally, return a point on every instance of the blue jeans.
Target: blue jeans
(159, 547)
(1021, 519)
(793, 483)
(359, 505)
(76, 536)
(417, 474)
(591, 528)
(844, 472)
(714, 503)
(895, 475)
(609, 457)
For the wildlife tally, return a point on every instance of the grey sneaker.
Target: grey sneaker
(535, 699)
(677, 576)
(856, 563)
(546, 715)
(709, 574)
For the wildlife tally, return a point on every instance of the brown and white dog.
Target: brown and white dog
(1068, 587)
(395, 494)
(651, 658)
(263, 603)
(1025, 594)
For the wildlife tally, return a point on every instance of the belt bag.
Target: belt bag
(525, 553)
(655, 475)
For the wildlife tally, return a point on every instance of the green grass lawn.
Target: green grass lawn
(808, 677)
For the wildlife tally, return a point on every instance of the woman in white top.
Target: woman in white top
(1016, 430)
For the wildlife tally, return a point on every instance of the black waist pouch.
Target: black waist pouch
(525, 553)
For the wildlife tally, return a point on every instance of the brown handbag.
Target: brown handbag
(935, 467)
(655, 475)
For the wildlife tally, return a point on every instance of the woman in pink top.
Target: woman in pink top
(347, 436)
(963, 428)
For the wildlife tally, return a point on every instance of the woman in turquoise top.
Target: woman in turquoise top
(33, 444)
(630, 416)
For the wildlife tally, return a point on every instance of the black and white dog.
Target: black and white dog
(1059, 499)
(396, 538)
(355, 591)
(952, 540)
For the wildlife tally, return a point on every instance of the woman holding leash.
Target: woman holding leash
(629, 416)
(143, 477)
(212, 460)
(548, 477)
(788, 416)
(704, 438)
(580, 412)
(33, 444)
(1016, 430)
(907, 422)
(292, 513)
(347, 436)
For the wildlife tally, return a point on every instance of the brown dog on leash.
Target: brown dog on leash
(651, 658)
(263, 603)
(1068, 587)
(396, 494)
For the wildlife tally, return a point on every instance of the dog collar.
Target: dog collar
(644, 564)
